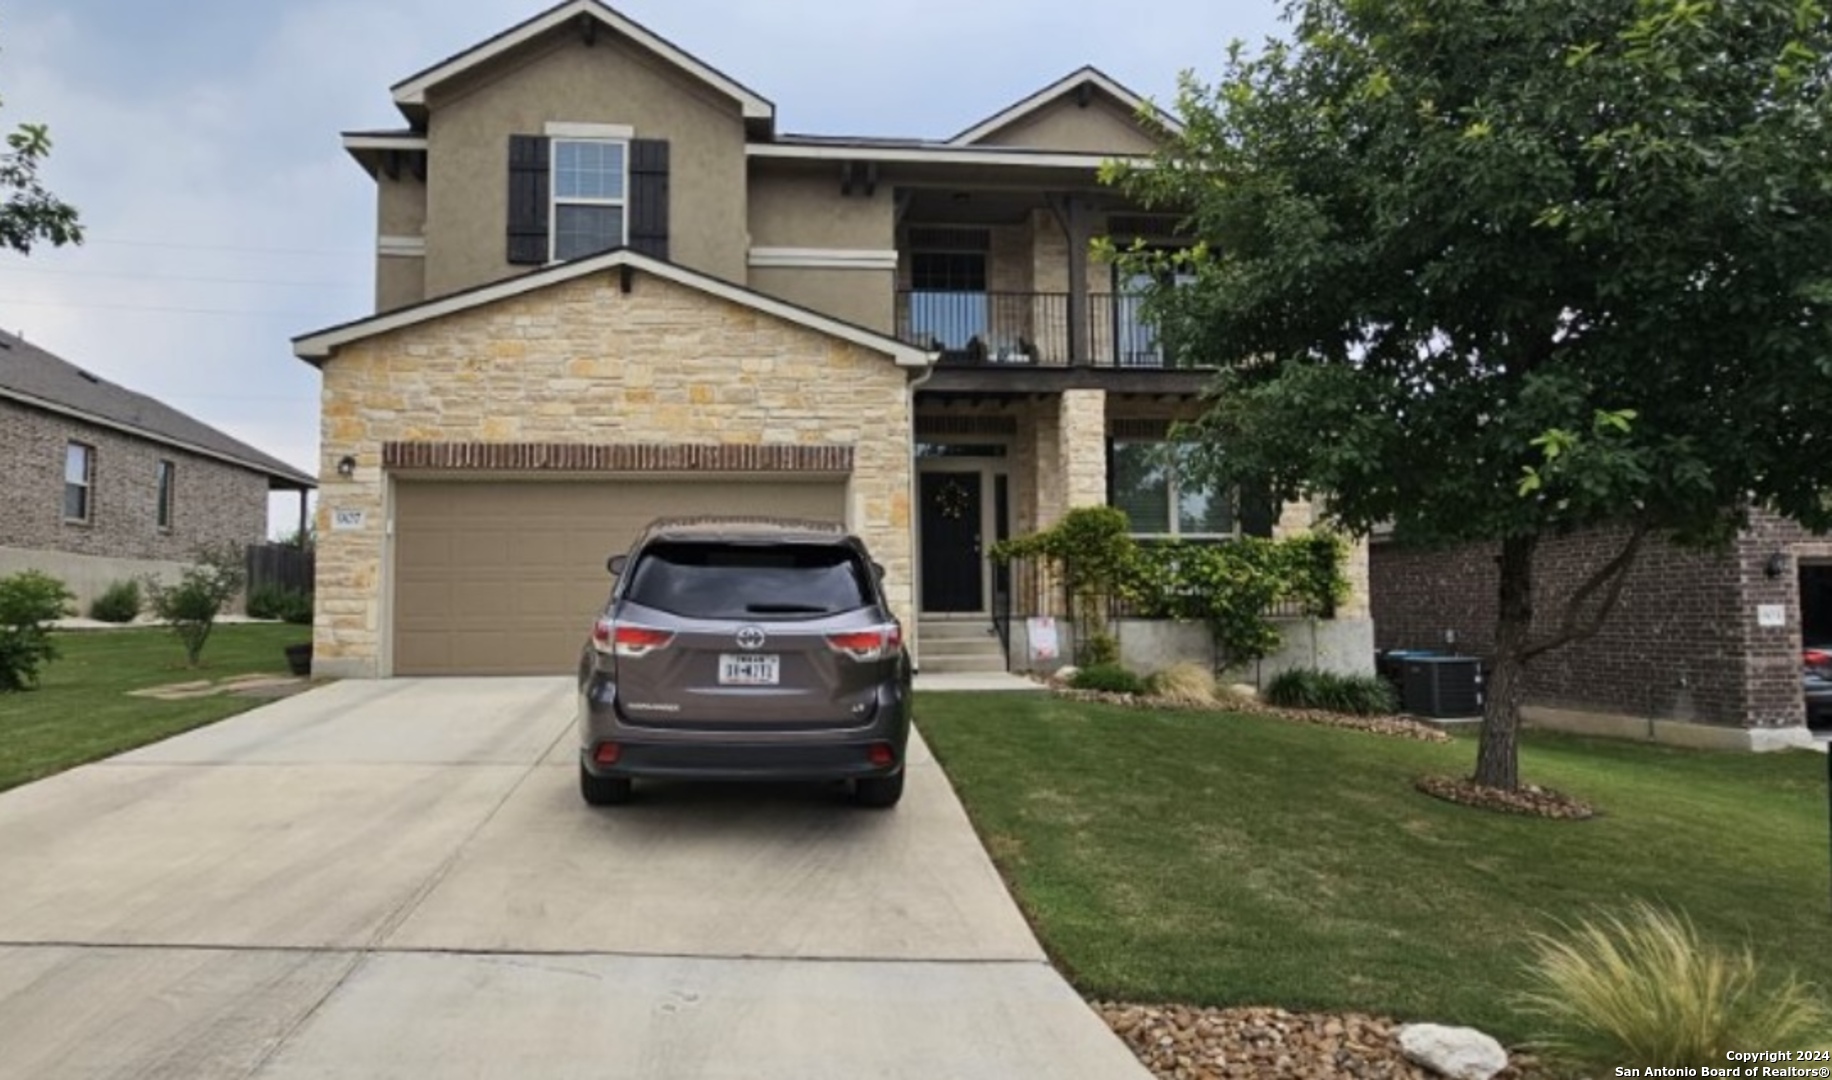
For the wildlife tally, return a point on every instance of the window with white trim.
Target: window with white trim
(1150, 481)
(590, 196)
(79, 481)
(167, 474)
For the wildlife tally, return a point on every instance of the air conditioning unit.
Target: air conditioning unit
(1442, 687)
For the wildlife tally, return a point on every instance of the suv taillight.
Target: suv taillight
(627, 640)
(867, 645)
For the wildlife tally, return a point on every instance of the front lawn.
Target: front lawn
(81, 710)
(1216, 860)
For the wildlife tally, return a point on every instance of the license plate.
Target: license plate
(749, 669)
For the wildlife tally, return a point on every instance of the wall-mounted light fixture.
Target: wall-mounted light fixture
(346, 466)
(1776, 565)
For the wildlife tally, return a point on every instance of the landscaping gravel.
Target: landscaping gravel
(1530, 799)
(1177, 1042)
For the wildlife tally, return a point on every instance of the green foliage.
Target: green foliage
(119, 603)
(1466, 300)
(280, 602)
(1098, 649)
(192, 605)
(1231, 586)
(1361, 695)
(31, 213)
(1646, 986)
(29, 601)
(1109, 678)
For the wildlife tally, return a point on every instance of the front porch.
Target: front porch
(991, 465)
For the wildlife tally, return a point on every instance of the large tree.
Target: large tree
(1497, 270)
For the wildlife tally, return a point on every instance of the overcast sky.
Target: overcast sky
(199, 140)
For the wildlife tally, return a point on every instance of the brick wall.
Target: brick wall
(1683, 645)
(214, 502)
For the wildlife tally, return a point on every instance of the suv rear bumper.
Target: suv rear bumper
(743, 761)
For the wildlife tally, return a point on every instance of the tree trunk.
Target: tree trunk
(1498, 758)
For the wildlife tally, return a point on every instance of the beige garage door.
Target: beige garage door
(504, 577)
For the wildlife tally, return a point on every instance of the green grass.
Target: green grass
(81, 711)
(1218, 860)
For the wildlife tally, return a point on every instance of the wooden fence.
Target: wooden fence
(280, 564)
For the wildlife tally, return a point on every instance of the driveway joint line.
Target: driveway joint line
(363, 952)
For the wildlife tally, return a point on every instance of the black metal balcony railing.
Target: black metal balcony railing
(1030, 328)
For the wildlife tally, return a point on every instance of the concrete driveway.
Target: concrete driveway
(397, 879)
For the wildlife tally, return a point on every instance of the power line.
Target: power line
(340, 252)
(181, 277)
(167, 310)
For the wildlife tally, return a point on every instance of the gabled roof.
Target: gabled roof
(1091, 77)
(410, 93)
(34, 377)
(319, 345)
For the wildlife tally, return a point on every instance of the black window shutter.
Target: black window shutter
(528, 198)
(1259, 511)
(649, 197)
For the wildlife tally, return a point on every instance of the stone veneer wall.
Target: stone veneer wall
(581, 362)
(1683, 645)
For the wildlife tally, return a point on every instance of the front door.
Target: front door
(951, 572)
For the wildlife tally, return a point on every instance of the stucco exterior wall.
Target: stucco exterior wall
(583, 363)
(1103, 127)
(214, 503)
(863, 297)
(612, 82)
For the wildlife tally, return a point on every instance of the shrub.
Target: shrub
(280, 602)
(297, 608)
(119, 603)
(1190, 684)
(1645, 987)
(192, 605)
(1362, 695)
(266, 601)
(29, 601)
(1099, 650)
(1110, 678)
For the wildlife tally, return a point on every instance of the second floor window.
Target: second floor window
(79, 481)
(167, 492)
(948, 301)
(590, 197)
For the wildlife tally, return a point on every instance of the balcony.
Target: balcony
(1032, 330)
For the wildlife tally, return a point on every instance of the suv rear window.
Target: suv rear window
(750, 581)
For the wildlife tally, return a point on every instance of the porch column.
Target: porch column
(1082, 448)
(1074, 215)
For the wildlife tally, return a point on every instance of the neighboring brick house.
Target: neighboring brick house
(99, 484)
(608, 288)
(1701, 642)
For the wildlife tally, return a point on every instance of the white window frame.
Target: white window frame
(165, 494)
(87, 483)
(1173, 493)
(558, 133)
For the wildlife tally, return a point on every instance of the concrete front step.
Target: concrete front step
(961, 647)
(961, 665)
(956, 630)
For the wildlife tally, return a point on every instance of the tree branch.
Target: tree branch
(1611, 574)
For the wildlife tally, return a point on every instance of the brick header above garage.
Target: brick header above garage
(606, 458)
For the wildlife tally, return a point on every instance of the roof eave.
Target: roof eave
(317, 347)
(1088, 75)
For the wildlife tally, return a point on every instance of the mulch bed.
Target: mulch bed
(1177, 1042)
(1399, 727)
(1531, 799)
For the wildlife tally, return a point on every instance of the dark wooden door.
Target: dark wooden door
(951, 542)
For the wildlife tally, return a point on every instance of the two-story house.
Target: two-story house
(609, 288)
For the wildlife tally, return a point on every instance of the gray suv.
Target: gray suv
(744, 649)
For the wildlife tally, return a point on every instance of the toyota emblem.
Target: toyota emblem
(751, 637)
